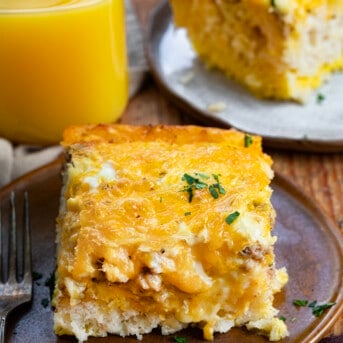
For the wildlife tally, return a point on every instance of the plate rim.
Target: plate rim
(281, 181)
(292, 189)
(158, 20)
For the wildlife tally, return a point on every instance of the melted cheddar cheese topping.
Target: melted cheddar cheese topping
(144, 226)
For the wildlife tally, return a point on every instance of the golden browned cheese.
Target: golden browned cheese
(169, 223)
(281, 49)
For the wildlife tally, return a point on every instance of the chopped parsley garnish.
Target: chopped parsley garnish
(283, 318)
(317, 310)
(232, 217)
(320, 98)
(213, 191)
(180, 339)
(247, 141)
(216, 188)
(188, 213)
(202, 175)
(272, 3)
(200, 185)
(312, 304)
(218, 185)
(189, 179)
(194, 183)
(189, 190)
(299, 302)
(45, 302)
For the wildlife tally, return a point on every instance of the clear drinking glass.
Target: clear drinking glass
(62, 62)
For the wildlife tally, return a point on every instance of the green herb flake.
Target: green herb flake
(179, 339)
(189, 190)
(247, 141)
(272, 3)
(200, 185)
(299, 302)
(320, 98)
(188, 178)
(194, 183)
(36, 276)
(218, 184)
(232, 217)
(213, 191)
(203, 176)
(312, 304)
(283, 318)
(45, 302)
(161, 199)
(188, 213)
(216, 177)
(318, 310)
(220, 188)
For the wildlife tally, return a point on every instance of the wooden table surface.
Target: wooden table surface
(319, 175)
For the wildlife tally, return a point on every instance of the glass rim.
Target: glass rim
(39, 10)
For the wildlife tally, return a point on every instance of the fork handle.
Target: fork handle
(2, 327)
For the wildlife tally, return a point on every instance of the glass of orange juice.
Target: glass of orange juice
(62, 62)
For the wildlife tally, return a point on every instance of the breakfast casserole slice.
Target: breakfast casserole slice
(165, 226)
(276, 48)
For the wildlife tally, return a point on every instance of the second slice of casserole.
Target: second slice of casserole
(275, 48)
(165, 226)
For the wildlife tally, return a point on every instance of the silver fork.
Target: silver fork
(12, 291)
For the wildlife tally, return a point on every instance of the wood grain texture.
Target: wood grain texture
(320, 176)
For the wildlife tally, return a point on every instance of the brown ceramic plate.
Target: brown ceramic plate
(309, 245)
(309, 127)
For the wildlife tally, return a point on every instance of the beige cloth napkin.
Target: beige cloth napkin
(19, 160)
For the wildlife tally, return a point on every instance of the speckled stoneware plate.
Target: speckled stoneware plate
(309, 245)
(185, 79)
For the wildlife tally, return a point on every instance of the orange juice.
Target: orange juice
(61, 63)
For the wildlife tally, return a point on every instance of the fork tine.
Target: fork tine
(12, 242)
(13, 292)
(27, 241)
